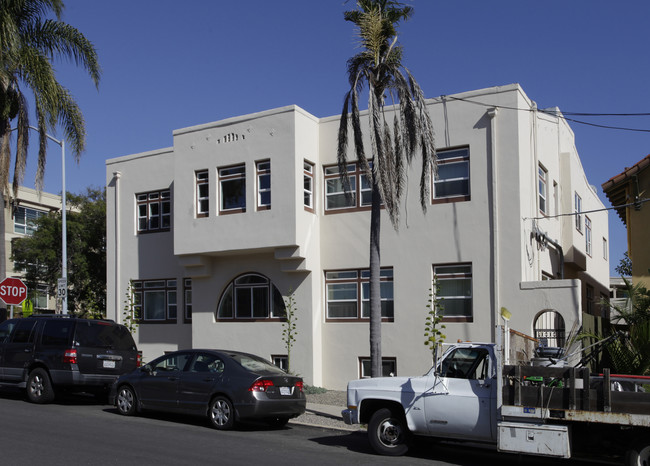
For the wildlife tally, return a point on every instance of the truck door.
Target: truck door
(461, 401)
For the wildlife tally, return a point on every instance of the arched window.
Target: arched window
(251, 297)
(549, 329)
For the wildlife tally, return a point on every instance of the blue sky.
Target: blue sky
(169, 64)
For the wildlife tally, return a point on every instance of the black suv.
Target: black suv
(42, 353)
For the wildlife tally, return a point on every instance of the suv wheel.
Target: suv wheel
(39, 387)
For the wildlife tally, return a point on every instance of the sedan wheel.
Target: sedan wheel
(126, 401)
(221, 413)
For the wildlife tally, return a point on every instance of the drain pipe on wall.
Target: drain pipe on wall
(116, 223)
(492, 113)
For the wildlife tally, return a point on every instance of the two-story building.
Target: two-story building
(214, 231)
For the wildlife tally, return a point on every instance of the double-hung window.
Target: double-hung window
(155, 300)
(25, 220)
(360, 194)
(348, 294)
(308, 185)
(588, 236)
(154, 211)
(263, 185)
(232, 189)
(451, 182)
(454, 291)
(388, 367)
(202, 193)
(542, 176)
(577, 210)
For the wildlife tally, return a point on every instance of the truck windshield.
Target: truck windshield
(465, 363)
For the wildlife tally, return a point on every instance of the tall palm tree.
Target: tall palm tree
(29, 41)
(393, 144)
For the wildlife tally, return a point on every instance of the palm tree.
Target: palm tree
(392, 144)
(28, 43)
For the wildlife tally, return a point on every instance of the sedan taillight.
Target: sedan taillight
(138, 361)
(70, 356)
(299, 385)
(260, 385)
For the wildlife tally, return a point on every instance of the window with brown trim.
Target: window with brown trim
(187, 293)
(348, 294)
(336, 199)
(454, 283)
(251, 297)
(155, 300)
(154, 211)
(452, 181)
(388, 367)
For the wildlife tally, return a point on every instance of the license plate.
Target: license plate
(285, 391)
(109, 364)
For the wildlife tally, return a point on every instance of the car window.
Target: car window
(172, 363)
(23, 331)
(57, 332)
(255, 364)
(5, 330)
(207, 363)
(103, 335)
(466, 363)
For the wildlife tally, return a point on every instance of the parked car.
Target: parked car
(47, 353)
(225, 386)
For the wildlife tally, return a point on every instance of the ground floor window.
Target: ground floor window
(455, 291)
(187, 291)
(155, 300)
(281, 360)
(348, 294)
(251, 297)
(388, 367)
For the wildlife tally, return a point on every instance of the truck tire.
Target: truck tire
(39, 387)
(388, 433)
(639, 455)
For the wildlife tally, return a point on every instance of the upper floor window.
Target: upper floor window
(155, 300)
(452, 180)
(251, 297)
(577, 209)
(360, 195)
(308, 185)
(348, 294)
(154, 211)
(263, 185)
(187, 291)
(25, 220)
(588, 236)
(541, 188)
(605, 249)
(202, 193)
(232, 189)
(455, 291)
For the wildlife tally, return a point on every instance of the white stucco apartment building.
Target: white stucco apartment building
(213, 231)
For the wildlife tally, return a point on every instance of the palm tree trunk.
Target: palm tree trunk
(375, 283)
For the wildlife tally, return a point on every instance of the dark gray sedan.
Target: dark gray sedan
(227, 386)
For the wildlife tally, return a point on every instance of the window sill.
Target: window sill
(449, 200)
(355, 319)
(458, 319)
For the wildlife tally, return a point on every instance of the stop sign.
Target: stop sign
(13, 291)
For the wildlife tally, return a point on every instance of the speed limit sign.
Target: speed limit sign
(62, 288)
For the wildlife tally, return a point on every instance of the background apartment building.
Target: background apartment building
(214, 231)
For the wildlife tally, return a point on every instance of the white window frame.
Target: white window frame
(263, 169)
(588, 232)
(230, 174)
(153, 211)
(202, 178)
(308, 186)
(542, 189)
(386, 363)
(577, 209)
(24, 218)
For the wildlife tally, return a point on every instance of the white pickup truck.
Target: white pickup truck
(471, 397)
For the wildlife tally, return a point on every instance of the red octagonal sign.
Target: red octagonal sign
(13, 291)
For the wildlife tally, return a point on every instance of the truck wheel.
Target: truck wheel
(388, 433)
(638, 455)
(39, 386)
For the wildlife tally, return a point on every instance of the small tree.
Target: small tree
(289, 330)
(624, 267)
(432, 333)
(129, 318)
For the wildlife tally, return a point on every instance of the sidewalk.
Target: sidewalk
(324, 410)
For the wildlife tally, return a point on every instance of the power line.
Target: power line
(636, 203)
(561, 114)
